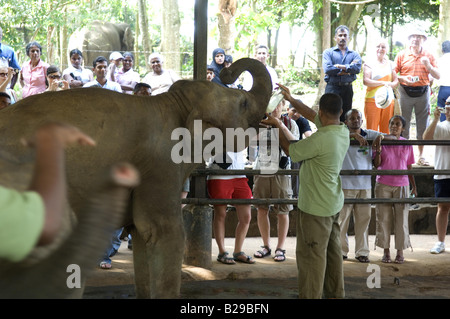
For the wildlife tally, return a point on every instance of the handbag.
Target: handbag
(415, 91)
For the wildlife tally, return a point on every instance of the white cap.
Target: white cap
(384, 97)
(115, 56)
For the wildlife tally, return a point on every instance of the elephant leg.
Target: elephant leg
(141, 270)
(160, 226)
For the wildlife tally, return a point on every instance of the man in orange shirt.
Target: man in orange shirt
(414, 66)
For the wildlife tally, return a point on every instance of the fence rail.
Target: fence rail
(201, 173)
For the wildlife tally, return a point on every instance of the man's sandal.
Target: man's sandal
(246, 260)
(224, 259)
(264, 252)
(279, 255)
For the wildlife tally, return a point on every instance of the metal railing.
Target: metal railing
(199, 177)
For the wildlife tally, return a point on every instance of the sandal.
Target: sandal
(247, 260)
(105, 265)
(279, 255)
(224, 259)
(264, 252)
(399, 259)
(363, 259)
(386, 259)
(422, 162)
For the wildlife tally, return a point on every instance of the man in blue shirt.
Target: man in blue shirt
(341, 65)
(8, 53)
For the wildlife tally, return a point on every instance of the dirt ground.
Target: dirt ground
(422, 276)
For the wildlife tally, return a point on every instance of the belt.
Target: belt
(340, 83)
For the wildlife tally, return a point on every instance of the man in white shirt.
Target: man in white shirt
(100, 70)
(261, 54)
(441, 131)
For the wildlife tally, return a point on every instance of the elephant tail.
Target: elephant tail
(262, 83)
(62, 274)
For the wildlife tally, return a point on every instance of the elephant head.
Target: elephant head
(222, 107)
(51, 277)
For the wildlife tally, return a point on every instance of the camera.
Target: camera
(60, 84)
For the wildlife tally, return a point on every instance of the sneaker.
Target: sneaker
(438, 248)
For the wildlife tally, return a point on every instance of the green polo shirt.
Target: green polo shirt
(22, 217)
(320, 192)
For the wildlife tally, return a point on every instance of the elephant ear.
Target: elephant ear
(262, 83)
(128, 39)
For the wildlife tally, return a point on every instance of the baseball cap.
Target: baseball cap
(115, 56)
(417, 32)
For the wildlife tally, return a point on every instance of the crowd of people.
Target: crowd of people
(36, 76)
(323, 219)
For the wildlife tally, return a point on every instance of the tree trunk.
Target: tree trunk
(325, 36)
(444, 23)
(225, 15)
(63, 54)
(143, 28)
(50, 47)
(170, 36)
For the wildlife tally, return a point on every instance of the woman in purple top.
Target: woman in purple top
(393, 157)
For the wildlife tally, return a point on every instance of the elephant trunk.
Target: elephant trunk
(62, 274)
(262, 83)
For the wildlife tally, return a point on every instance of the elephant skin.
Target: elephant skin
(100, 39)
(138, 130)
(50, 277)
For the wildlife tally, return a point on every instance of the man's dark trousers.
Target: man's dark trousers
(345, 91)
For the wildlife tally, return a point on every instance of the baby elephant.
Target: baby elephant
(62, 274)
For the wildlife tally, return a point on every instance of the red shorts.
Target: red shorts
(236, 188)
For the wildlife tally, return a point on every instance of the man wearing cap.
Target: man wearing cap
(414, 66)
(441, 131)
(341, 65)
(115, 59)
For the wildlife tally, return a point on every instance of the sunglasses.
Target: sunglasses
(4, 75)
(53, 77)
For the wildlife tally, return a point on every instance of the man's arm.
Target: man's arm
(302, 108)
(49, 179)
(285, 135)
(355, 66)
(429, 132)
(328, 65)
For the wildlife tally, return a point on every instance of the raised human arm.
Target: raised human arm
(429, 132)
(302, 108)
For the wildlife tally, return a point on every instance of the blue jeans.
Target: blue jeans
(113, 246)
(444, 93)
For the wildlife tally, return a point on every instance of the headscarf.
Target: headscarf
(217, 67)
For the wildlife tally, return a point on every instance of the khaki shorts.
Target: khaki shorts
(277, 186)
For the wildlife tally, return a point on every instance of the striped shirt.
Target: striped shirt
(407, 63)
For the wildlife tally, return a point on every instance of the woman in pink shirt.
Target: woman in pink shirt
(393, 157)
(33, 73)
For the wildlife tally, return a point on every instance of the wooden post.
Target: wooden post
(200, 39)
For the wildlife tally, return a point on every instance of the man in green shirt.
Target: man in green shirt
(34, 218)
(319, 255)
